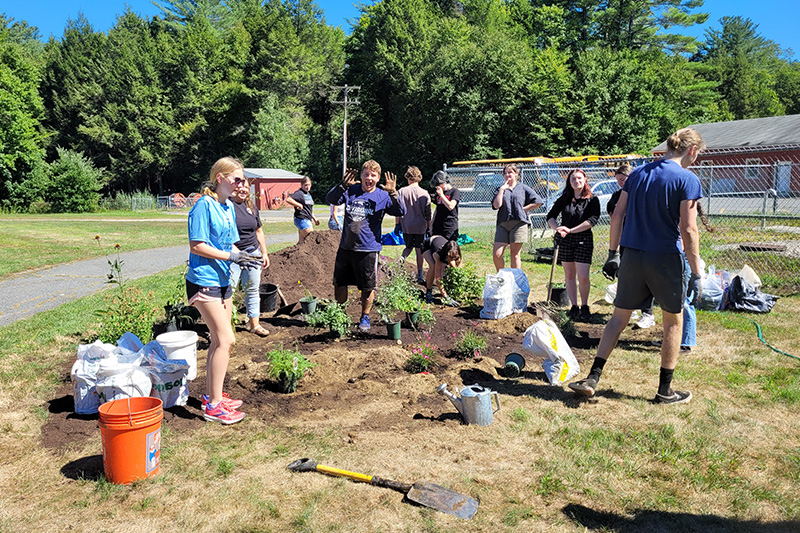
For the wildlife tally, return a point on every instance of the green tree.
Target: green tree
(742, 63)
(280, 138)
(21, 136)
(75, 183)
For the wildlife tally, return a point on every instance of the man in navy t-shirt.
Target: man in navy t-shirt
(659, 205)
(357, 256)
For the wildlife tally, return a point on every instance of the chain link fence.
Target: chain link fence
(752, 201)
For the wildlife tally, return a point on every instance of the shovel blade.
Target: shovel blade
(442, 499)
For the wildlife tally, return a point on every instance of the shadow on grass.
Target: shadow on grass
(645, 521)
(89, 468)
(543, 390)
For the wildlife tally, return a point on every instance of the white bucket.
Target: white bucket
(181, 345)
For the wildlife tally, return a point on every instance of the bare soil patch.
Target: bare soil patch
(360, 384)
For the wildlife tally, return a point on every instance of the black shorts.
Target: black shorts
(644, 274)
(195, 292)
(356, 268)
(414, 240)
(577, 247)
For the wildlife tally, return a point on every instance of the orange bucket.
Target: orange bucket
(131, 432)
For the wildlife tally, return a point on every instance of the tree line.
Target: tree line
(150, 104)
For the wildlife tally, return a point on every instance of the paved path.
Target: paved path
(24, 295)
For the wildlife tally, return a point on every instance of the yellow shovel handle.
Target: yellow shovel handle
(344, 473)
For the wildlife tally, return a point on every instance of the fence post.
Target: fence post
(768, 192)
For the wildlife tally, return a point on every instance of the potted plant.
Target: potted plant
(420, 315)
(396, 294)
(308, 303)
(288, 367)
(470, 344)
(331, 315)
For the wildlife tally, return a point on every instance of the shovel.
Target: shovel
(423, 493)
(552, 268)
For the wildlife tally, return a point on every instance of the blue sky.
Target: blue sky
(776, 19)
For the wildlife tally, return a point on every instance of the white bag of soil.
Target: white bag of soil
(505, 293)
(84, 376)
(169, 376)
(117, 380)
(545, 340)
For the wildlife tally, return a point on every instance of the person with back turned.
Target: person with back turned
(659, 204)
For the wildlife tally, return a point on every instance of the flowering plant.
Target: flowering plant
(423, 356)
(128, 309)
(307, 296)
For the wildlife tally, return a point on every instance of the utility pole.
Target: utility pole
(347, 102)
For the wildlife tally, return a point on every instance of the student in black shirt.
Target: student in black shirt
(446, 198)
(579, 211)
(303, 205)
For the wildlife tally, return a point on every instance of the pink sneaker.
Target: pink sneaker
(222, 414)
(226, 399)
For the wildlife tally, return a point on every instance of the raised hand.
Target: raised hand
(391, 183)
(350, 178)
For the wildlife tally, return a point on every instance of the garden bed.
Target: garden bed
(359, 384)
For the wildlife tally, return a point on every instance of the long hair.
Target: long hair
(569, 194)
(224, 166)
(451, 251)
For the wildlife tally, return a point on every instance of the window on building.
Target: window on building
(751, 171)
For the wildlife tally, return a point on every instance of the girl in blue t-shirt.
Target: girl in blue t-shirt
(212, 232)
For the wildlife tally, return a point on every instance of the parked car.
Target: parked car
(603, 190)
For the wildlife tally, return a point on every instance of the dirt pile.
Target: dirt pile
(310, 263)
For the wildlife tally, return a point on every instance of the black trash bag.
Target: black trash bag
(742, 296)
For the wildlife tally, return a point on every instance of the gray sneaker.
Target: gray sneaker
(674, 396)
(585, 387)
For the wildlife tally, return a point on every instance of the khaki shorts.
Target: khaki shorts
(511, 231)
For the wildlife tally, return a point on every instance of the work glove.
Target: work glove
(451, 303)
(693, 290)
(350, 178)
(612, 265)
(243, 258)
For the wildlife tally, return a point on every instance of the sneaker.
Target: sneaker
(647, 321)
(222, 414)
(421, 280)
(226, 399)
(586, 387)
(364, 325)
(674, 396)
(573, 312)
(585, 314)
(429, 297)
(683, 348)
(636, 315)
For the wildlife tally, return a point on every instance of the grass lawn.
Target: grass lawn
(728, 461)
(39, 241)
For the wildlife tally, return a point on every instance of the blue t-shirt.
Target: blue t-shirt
(363, 215)
(653, 210)
(214, 224)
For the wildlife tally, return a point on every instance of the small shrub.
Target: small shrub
(75, 183)
(423, 356)
(397, 292)
(463, 283)
(470, 344)
(331, 315)
(290, 363)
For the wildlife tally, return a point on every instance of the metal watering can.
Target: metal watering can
(475, 403)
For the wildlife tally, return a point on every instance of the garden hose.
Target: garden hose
(758, 328)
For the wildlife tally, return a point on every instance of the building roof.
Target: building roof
(270, 173)
(752, 132)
